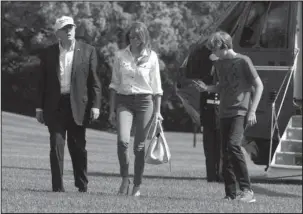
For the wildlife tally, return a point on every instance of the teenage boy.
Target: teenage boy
(237, 110)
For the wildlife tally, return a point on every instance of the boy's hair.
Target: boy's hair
(219, 40)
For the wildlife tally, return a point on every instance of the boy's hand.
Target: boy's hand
(199, 85)
(251, 118)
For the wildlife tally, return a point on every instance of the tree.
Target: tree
(27, 27)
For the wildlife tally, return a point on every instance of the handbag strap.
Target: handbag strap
(159, 124)
(150, 127)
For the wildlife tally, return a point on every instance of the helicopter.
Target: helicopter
(270, 33)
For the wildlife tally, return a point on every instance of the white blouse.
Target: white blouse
(130, 78)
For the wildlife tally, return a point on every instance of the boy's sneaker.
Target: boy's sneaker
(228, 198)
(247, 196)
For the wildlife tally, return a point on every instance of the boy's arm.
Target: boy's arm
(213, 88)
(257, 85)
(256, 96)
(201, 86)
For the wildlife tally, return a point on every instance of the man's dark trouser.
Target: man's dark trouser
(212, 151)
(234, 165)
(212, 142)
(63, 122)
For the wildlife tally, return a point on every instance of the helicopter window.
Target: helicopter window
(266, 25)
(252, 26)
(274, 32)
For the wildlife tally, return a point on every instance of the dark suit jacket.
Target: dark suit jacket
(85, 91)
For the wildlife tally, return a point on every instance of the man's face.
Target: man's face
(220, 53)
(67, 33)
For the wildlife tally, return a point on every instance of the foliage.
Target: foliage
(174, 27)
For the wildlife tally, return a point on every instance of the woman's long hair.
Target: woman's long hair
(141, 31)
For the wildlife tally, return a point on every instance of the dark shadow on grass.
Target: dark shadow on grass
(37, 190)
(264, 180)
(253, 179)
(261, 180)
(168, 197)
(146, 176)
(104, 174)
(29, 190)
(270, 193)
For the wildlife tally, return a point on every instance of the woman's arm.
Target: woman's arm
(112, 99)
(115, 82)
(157, 108)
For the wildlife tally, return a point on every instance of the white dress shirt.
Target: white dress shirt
(130, 78)
(66, 62)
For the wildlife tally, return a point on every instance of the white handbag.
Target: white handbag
(158, 151)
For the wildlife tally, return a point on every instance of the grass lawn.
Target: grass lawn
(26, 183)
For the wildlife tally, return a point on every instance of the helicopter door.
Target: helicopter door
(198, 64)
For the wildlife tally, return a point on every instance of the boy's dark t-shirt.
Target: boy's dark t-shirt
(236, 77)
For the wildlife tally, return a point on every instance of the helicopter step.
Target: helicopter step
(287, 159)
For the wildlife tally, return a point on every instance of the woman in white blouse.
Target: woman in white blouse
(134, 85)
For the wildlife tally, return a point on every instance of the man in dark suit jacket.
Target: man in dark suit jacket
(69, 98)
(209, 113)
(200, 66)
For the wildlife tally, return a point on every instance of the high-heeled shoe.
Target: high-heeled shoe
(136, 191)
(124, 187)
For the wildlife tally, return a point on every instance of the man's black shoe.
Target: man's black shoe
(58, 190)
(82, 189)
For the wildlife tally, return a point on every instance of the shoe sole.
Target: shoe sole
(251, 201)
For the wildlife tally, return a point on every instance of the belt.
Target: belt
(215, 102)
(134, 95)
(64, 96)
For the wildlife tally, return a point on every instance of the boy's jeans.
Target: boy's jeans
(234, 165)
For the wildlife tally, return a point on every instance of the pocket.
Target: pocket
(145, 66)
(144, 70)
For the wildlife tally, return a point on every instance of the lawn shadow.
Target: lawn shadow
(264, 180)
(261, 180)
(37, 190)
(105, 174)
(270, 193)
(29, 190)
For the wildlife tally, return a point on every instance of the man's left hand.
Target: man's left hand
(94, 114)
